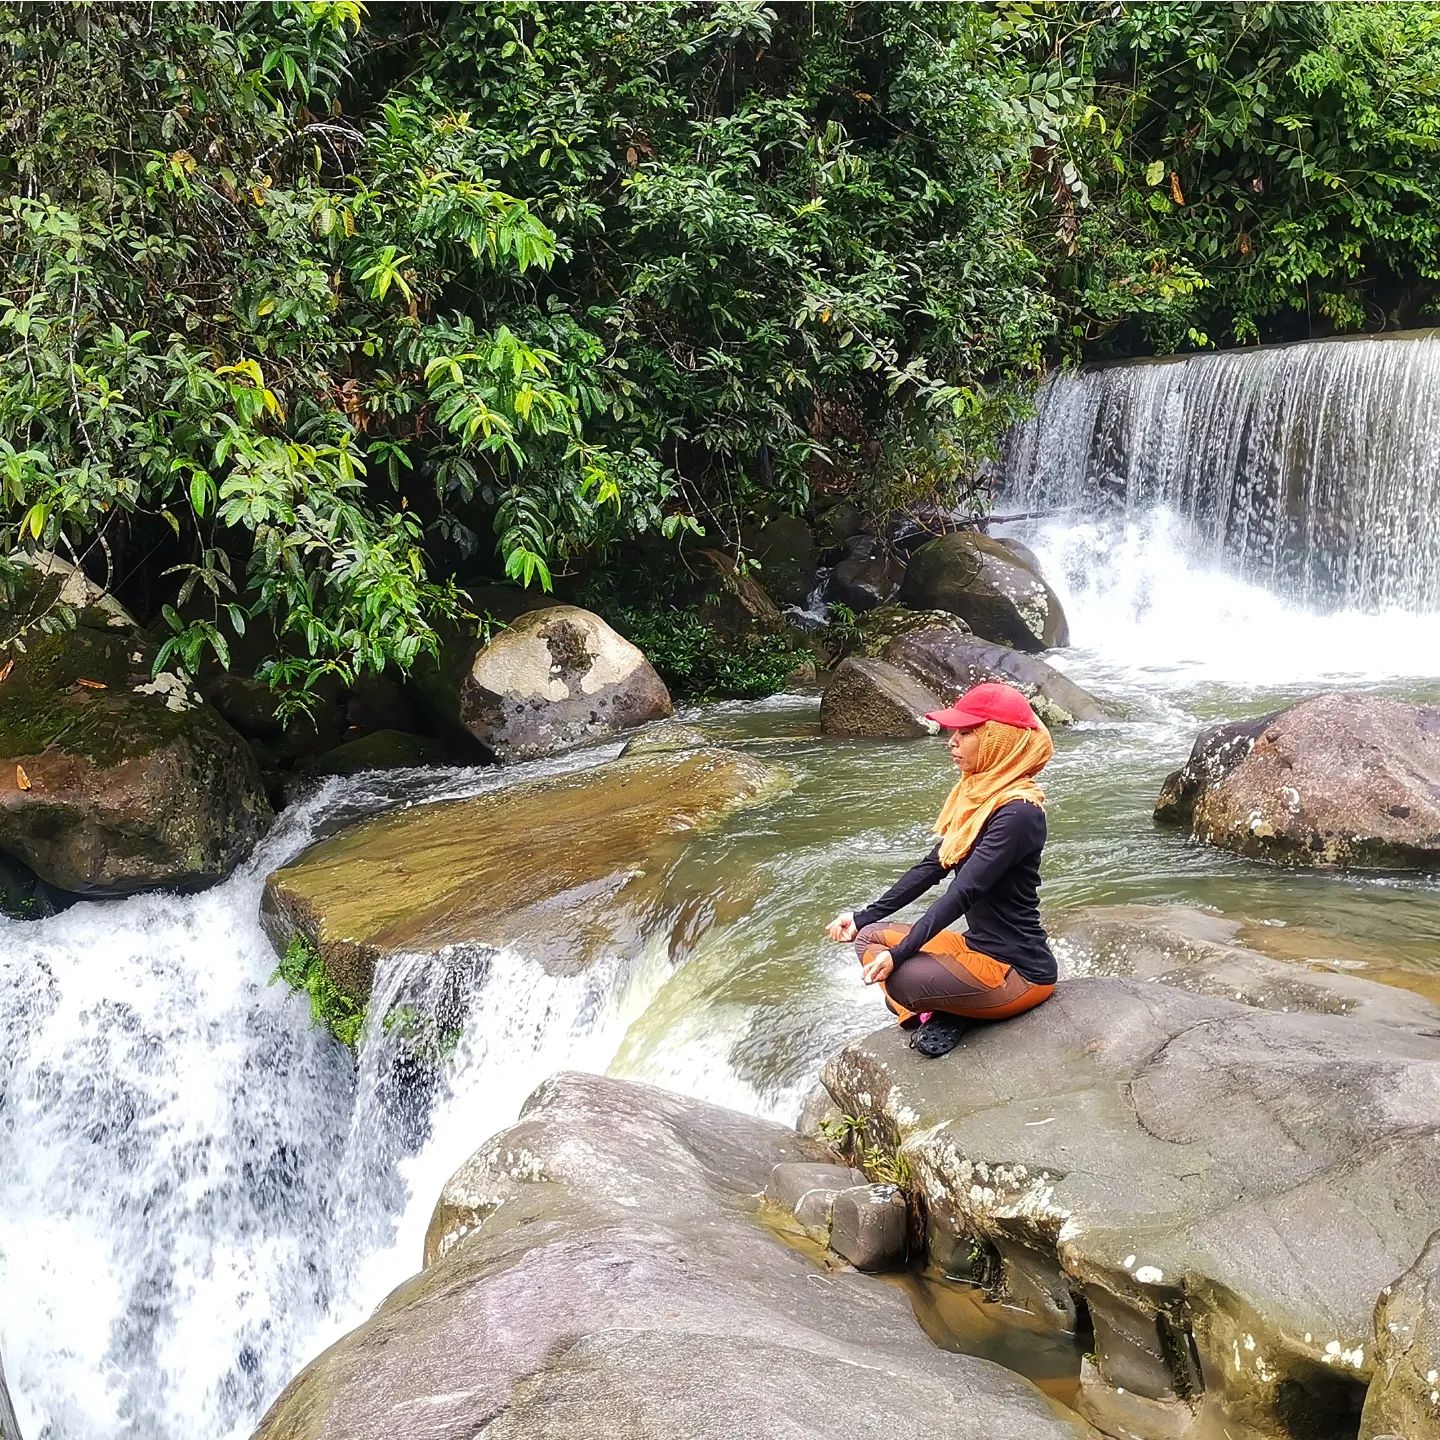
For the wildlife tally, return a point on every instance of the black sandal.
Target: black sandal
(939, 1035)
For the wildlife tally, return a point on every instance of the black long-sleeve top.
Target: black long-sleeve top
(995, 887)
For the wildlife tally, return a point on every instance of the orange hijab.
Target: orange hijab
(1009, 757)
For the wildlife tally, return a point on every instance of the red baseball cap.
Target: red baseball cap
(991, 701)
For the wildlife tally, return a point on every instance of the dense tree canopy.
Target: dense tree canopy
(308, 310)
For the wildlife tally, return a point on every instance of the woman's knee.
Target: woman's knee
(879, 936)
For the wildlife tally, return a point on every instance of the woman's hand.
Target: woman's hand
(879, 967)
(842, 927)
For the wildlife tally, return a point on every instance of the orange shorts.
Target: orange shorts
(948, 975)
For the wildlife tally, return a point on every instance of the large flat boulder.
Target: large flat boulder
(991, 586)
(949, 662)
(1338, 780)
(598, 1272)
(1221, 1191)
(113, 780)
(566, 868)
(1273, 968)
(1404, 1398)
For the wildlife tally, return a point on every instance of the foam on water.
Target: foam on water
(1149, 608)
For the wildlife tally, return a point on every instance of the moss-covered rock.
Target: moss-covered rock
(880, 626)
(786, 552)
(564, 868)
(112, 781)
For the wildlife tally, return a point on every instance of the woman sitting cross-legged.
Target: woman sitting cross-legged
(990, 834)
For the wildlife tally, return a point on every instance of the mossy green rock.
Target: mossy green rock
(564, 868)
(990, 586)
(111, 781)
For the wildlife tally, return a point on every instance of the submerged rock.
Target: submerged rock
(1339, 780)
(552, 679)
(598, 1272)
(565, 868)
(872, 700)
(947, 663)
(1223, 1191)
(988, 585)
(112, 780)
(1404, 1398)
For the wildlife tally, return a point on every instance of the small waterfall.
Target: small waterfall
(199, 1191)
(1313, 469)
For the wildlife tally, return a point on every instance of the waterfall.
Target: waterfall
(1313, 469)
(199, 1190)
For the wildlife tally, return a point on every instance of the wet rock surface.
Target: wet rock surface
(1222, 1192)
(948, 663)
(565, 868)
(1404, 1399)
(990, 586)
(1233, 959)
(1339, 780)
(598, 1272)
(113, 780)
(873, 700)
(880, 626)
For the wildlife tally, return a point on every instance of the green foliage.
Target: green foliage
(310, 309)
(697, 663)
(1221, 173)
(847, 1135)
(302, 969)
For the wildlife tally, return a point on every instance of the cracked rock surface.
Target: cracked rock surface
(1404, 1399)
(598, 1272)
(1224, 1190)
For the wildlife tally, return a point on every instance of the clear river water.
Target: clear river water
(198, 1191)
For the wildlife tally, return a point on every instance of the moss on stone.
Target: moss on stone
(45, 705)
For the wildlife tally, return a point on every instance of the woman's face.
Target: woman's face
(965, 749)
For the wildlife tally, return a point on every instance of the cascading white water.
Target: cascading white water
(198, 1191)
(1311, 468)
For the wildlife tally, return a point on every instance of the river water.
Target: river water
(198, 1192)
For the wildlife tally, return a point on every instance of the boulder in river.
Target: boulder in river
(1404, 1398)
(112, 780)
(948, 663)
(565, 868)
(552, 679)
(599, 1272)
(1221, 1192)
(880, 626)
(990, 586)
(873, 700)
(868, 574)
(1338, 780)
